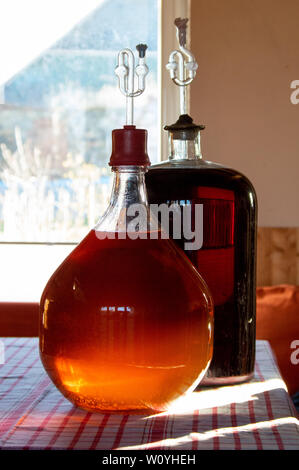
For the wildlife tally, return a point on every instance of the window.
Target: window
(57, 115)
(58, 104)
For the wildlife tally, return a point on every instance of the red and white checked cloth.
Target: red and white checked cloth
(34, 415)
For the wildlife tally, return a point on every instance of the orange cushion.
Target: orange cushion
(278, 322)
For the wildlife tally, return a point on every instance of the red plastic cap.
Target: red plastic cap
(129, 147)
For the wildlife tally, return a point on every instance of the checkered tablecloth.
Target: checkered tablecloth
(34, 415)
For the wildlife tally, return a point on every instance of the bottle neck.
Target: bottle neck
(128, 190)
(180, 149)
(128, 186)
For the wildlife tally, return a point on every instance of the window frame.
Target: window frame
(169, 99)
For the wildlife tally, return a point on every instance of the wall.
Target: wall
(248, 55)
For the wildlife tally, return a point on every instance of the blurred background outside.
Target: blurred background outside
(59, 102)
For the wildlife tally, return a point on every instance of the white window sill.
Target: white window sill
(26, 268)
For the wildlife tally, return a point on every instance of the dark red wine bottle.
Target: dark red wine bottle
(227, 258)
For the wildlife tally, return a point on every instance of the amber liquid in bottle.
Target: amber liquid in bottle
(125, 324)
(226, 259)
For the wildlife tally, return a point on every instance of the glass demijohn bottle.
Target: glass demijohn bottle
(126, 321)
(227, 255)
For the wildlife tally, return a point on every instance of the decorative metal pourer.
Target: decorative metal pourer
(183, 71)
(126, 71)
